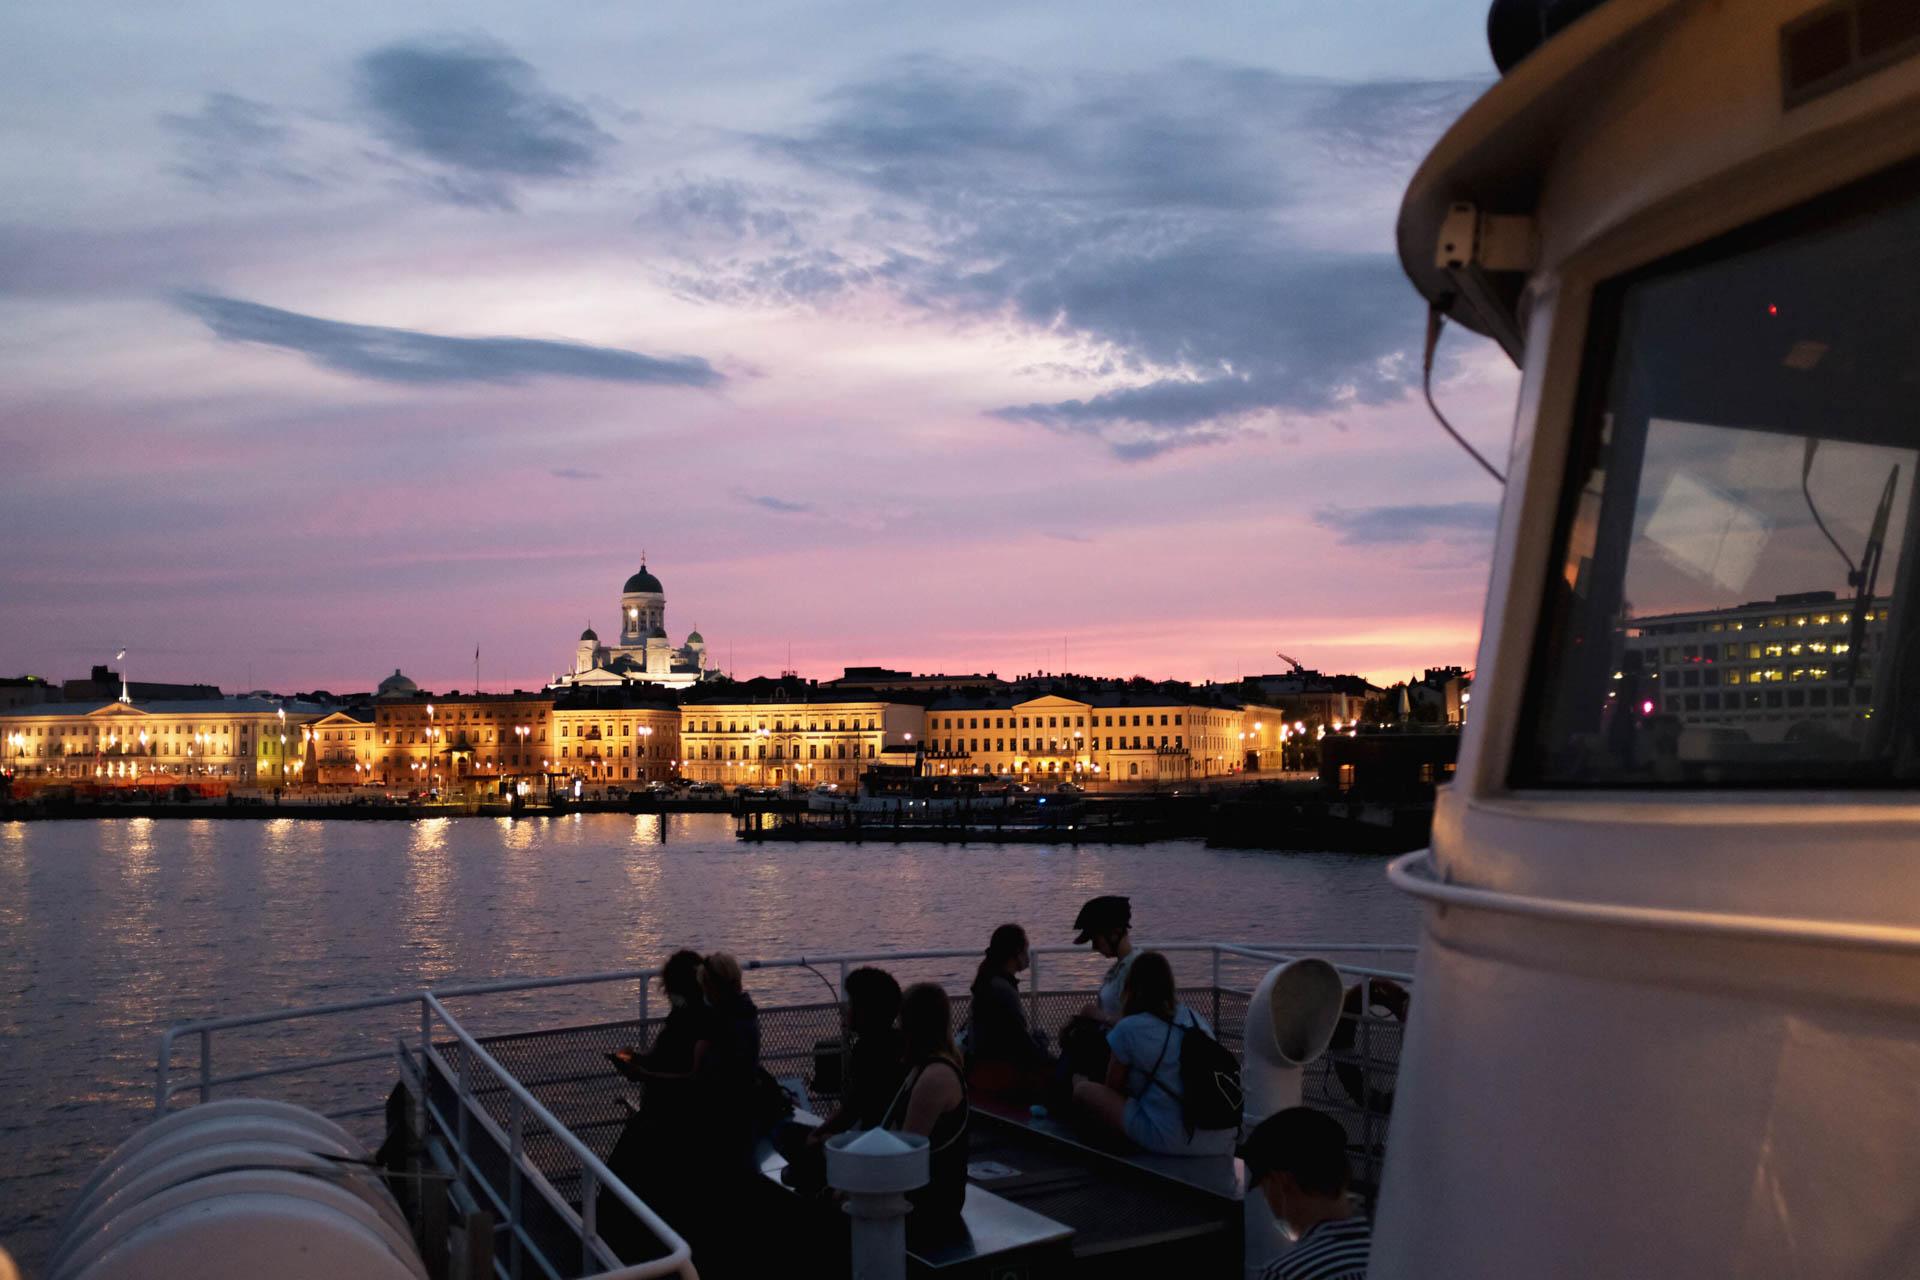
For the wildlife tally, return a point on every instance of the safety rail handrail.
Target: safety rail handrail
(165, 1087)
(594, 1173)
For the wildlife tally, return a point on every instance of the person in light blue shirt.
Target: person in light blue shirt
(1140, 1098)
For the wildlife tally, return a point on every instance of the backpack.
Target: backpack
(1210, 1096)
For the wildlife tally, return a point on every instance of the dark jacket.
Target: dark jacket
(1000, 1032)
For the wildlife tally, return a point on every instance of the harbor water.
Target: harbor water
(110, 930)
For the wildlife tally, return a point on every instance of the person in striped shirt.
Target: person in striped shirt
(1298, 1160)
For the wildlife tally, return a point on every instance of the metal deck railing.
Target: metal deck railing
(521, 1122)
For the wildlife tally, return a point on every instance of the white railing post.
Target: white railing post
(589, 1216)
(517, 1138)
(463, 1125)
(206, 1065)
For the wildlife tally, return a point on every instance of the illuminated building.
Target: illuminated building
(1761, 670)
(211, 744)
(776, 732)
(345, 748)
(462, 742)
(618, 735)
(1123, 736)
(643, 654)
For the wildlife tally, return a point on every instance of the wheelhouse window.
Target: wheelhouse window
(1744, 462)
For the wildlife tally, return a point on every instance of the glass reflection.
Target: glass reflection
(1732, 604)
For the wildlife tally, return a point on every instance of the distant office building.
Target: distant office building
(1442, 693)
(886, 678)
(462, 742)
(774, 732)
(1161, 734)
(26, 691)
(642, 654)
(618, 735)
(345, 748)
(211, 743)
(1757, 669)
(1311, 697)
(104, 684)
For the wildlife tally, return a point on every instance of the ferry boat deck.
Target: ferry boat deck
(497, 1145)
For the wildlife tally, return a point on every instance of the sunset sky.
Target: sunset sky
(348, 338)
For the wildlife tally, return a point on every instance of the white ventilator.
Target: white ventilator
(1290, 1022)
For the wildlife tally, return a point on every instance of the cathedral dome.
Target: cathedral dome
(397, 686)
(694, 637)
(643, 581)
(590, 634)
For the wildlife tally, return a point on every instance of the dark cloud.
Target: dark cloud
(575, 473)
(231, 140)
(808, 277)
(934, 129)
(476, 108)
(734, 209)
(404, 355)
(1149, 215)
(1379, 526)
(781, 505)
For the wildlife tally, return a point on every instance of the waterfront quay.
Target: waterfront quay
(639, 723)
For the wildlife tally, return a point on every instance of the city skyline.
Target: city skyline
(362, 339)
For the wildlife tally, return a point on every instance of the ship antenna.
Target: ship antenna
(1436, 320)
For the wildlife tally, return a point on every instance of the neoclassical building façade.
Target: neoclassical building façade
(643, 654)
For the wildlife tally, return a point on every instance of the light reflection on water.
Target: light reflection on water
(111, 930)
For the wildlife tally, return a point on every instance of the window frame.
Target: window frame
(1599, 358)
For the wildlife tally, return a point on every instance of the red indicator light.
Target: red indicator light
(1773, 309)
(1646, 708)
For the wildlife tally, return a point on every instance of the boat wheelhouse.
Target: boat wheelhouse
(1669, 963)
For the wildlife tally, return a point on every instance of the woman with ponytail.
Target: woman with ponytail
(1007, 1057)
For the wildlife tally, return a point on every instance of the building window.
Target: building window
(1346, 777)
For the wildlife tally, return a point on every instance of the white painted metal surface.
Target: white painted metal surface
(271, 1184)
(1669, 1030)
(876, 1169)
(1291, 1019)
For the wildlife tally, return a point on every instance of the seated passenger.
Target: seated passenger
(1298, 1160)
(1141, 1098)
(1107, 923)
(876, 1055)
(733, 1019)
(729, 1070)
(932, 1102)
(668, 1118)
(682, 1040)
(1004, 1055)
(875, 1067)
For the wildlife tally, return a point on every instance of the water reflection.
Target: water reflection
(516, 834)
(429, 881)
(109, 930)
